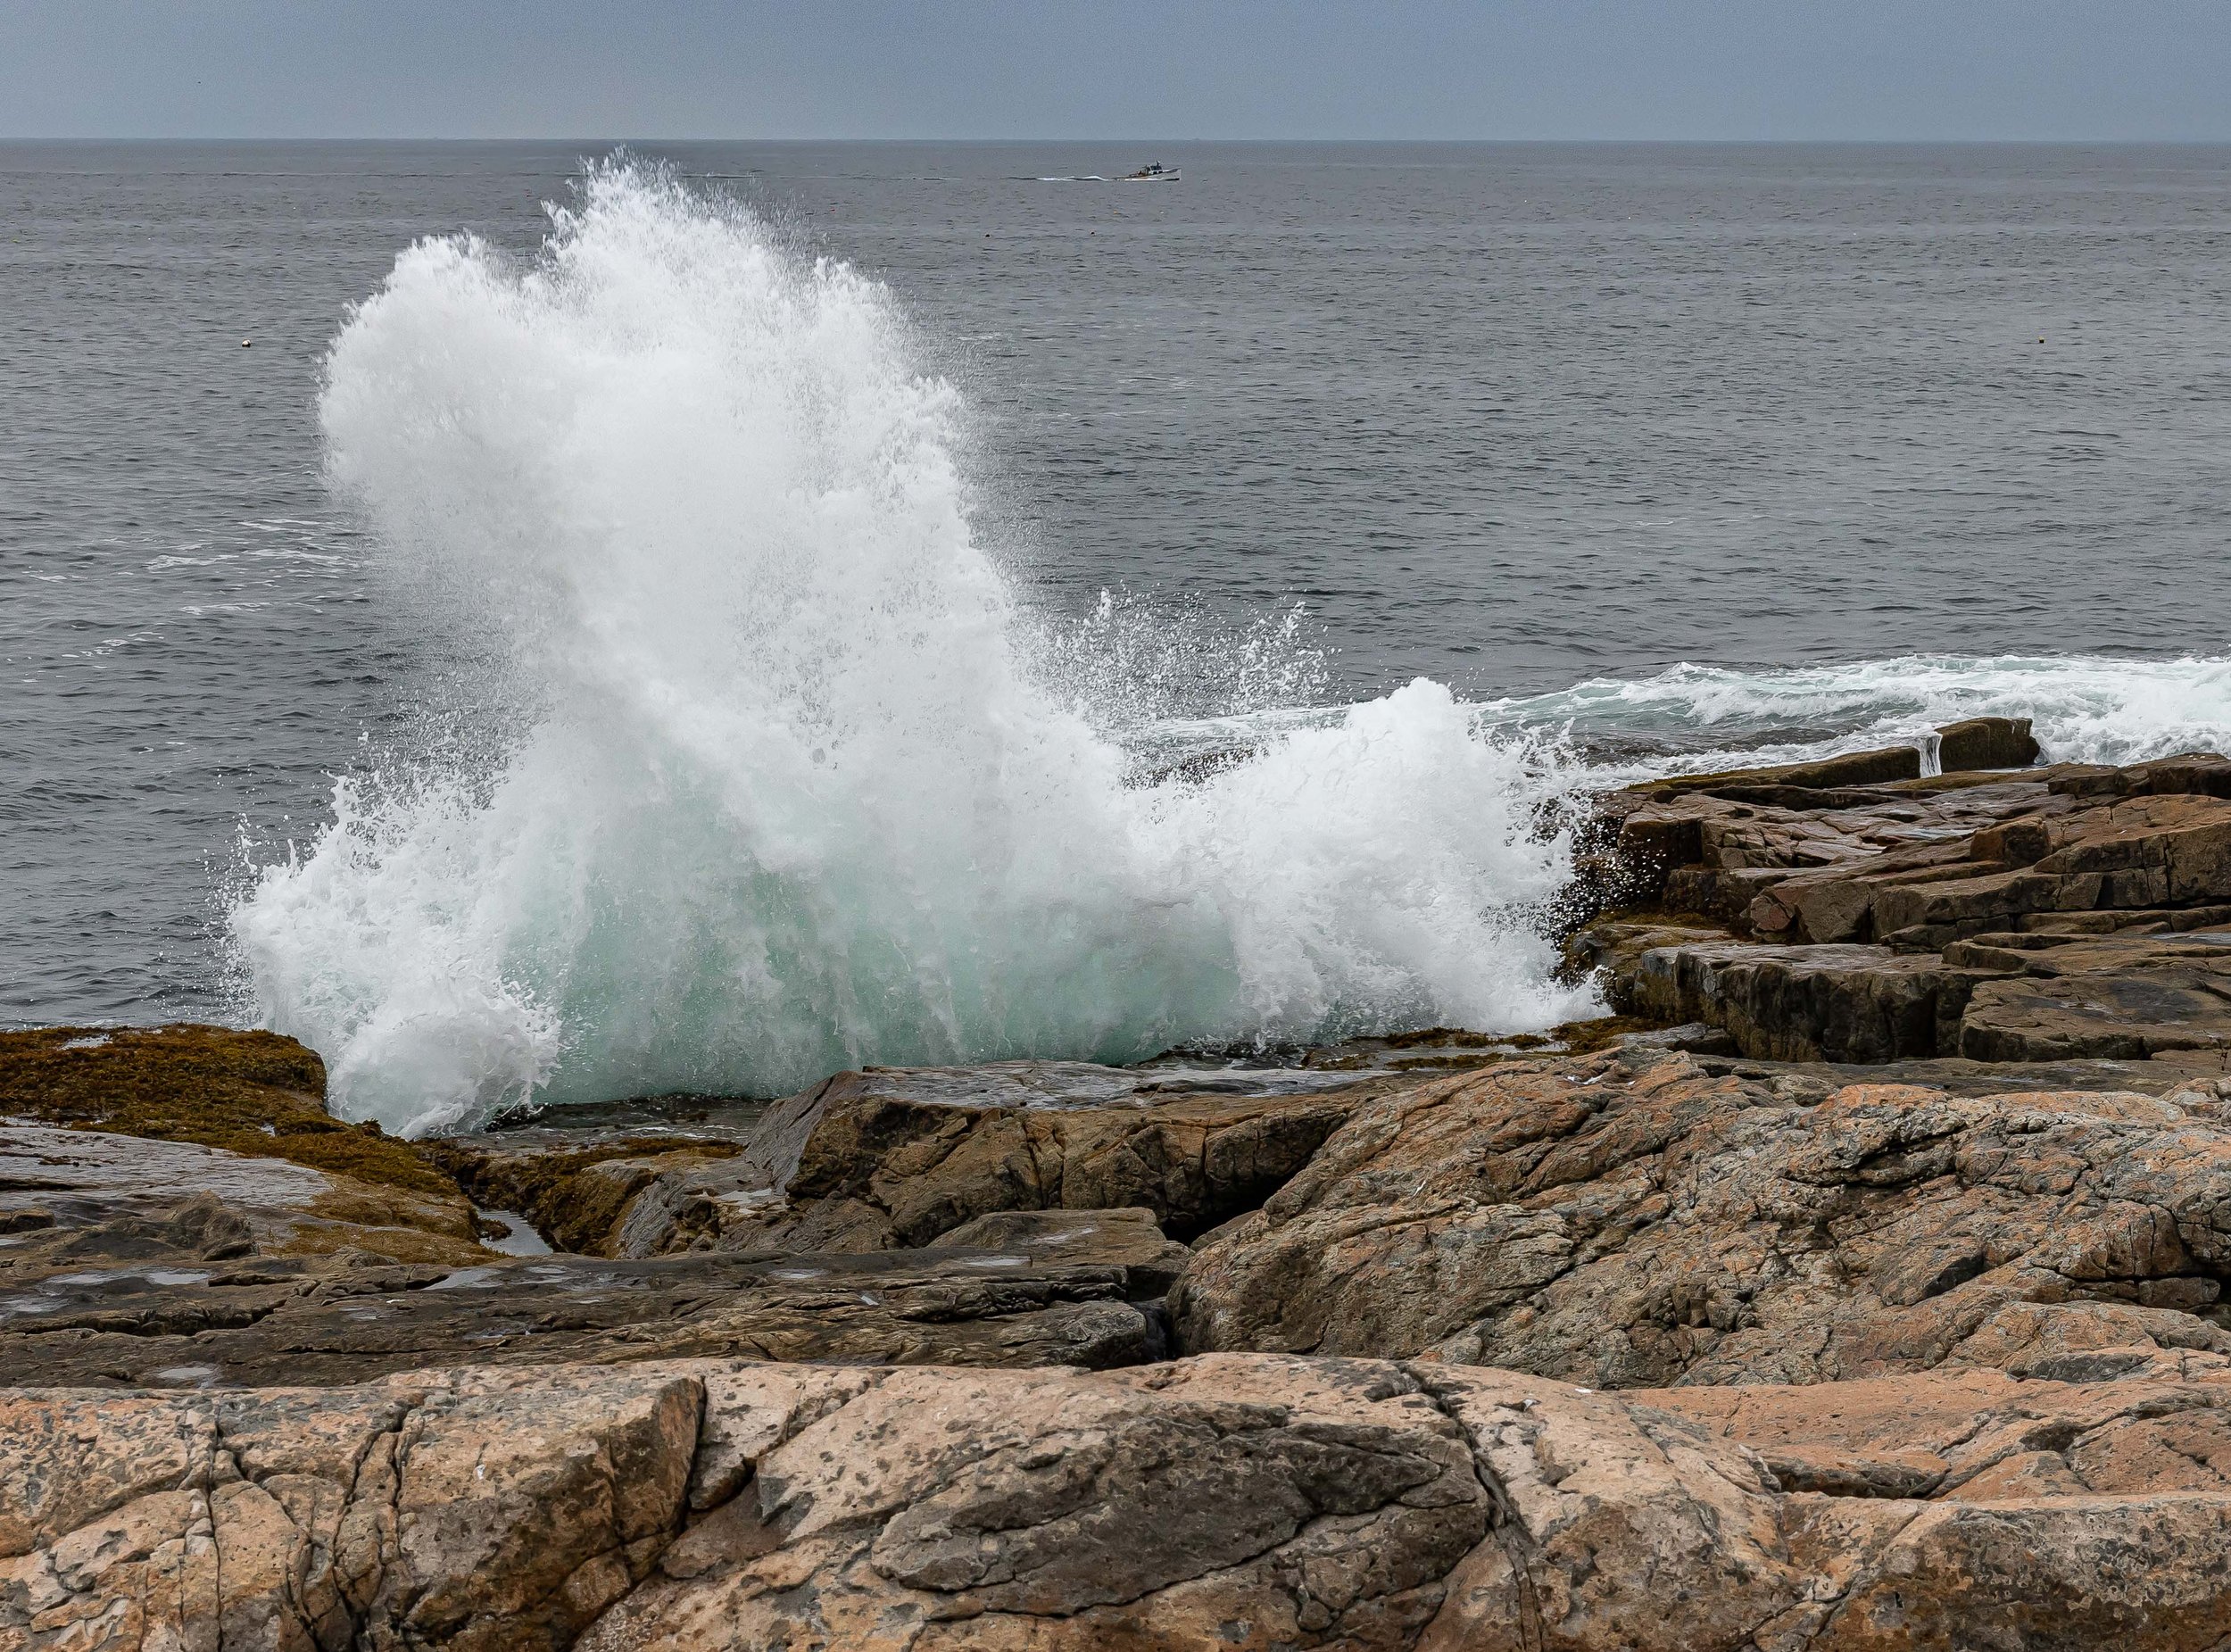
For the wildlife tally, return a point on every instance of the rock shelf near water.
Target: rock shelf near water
(2041, 914)
(1861, 1286)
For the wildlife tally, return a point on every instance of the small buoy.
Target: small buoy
(249, 344)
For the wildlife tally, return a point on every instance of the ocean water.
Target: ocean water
(804, 604)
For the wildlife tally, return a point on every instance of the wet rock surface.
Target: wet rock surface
(1007, 1216)
(341, 1320)
(256, 1094)
(69, 1197)
(129, 1260)
(891, 1158)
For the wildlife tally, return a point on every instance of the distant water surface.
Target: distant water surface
(1858, 434)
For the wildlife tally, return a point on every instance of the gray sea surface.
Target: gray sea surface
(1516, 418)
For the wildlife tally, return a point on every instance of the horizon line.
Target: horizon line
(562, 138)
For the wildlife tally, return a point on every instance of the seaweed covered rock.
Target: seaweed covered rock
(201, 1143)
(74, 1198)
(255, 1093)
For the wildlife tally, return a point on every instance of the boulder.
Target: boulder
(1635, 1220)
(900, 1156)
(1986, 743)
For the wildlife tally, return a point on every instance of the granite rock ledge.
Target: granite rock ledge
(1249, 1501)
(2055, 913)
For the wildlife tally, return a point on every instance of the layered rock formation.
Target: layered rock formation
(2050, 914)
(896, 1157)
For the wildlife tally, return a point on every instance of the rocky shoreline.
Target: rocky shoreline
(1858, 1285)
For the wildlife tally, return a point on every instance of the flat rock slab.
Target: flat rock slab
(264, 1320)
(2133, 1014)
(2159, 1423)
(95, 1172)
(1240, 1501)
(1127, 1239)
(1957, 1075)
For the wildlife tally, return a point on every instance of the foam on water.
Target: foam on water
(2084, 709)
(786, 783)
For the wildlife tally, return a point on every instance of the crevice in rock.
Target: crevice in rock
(1431, 1388)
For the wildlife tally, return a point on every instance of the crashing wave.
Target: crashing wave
(788, 783)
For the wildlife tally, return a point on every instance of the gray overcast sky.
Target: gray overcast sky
(1494, 69)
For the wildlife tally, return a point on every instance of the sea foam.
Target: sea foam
(783, 781)
(2085, 709)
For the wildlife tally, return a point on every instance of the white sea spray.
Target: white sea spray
(785, 782)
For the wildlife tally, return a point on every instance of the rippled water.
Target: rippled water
(1865, 436)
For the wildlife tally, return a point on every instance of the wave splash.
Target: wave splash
(791, 785)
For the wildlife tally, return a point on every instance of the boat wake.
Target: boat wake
(783, 780)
